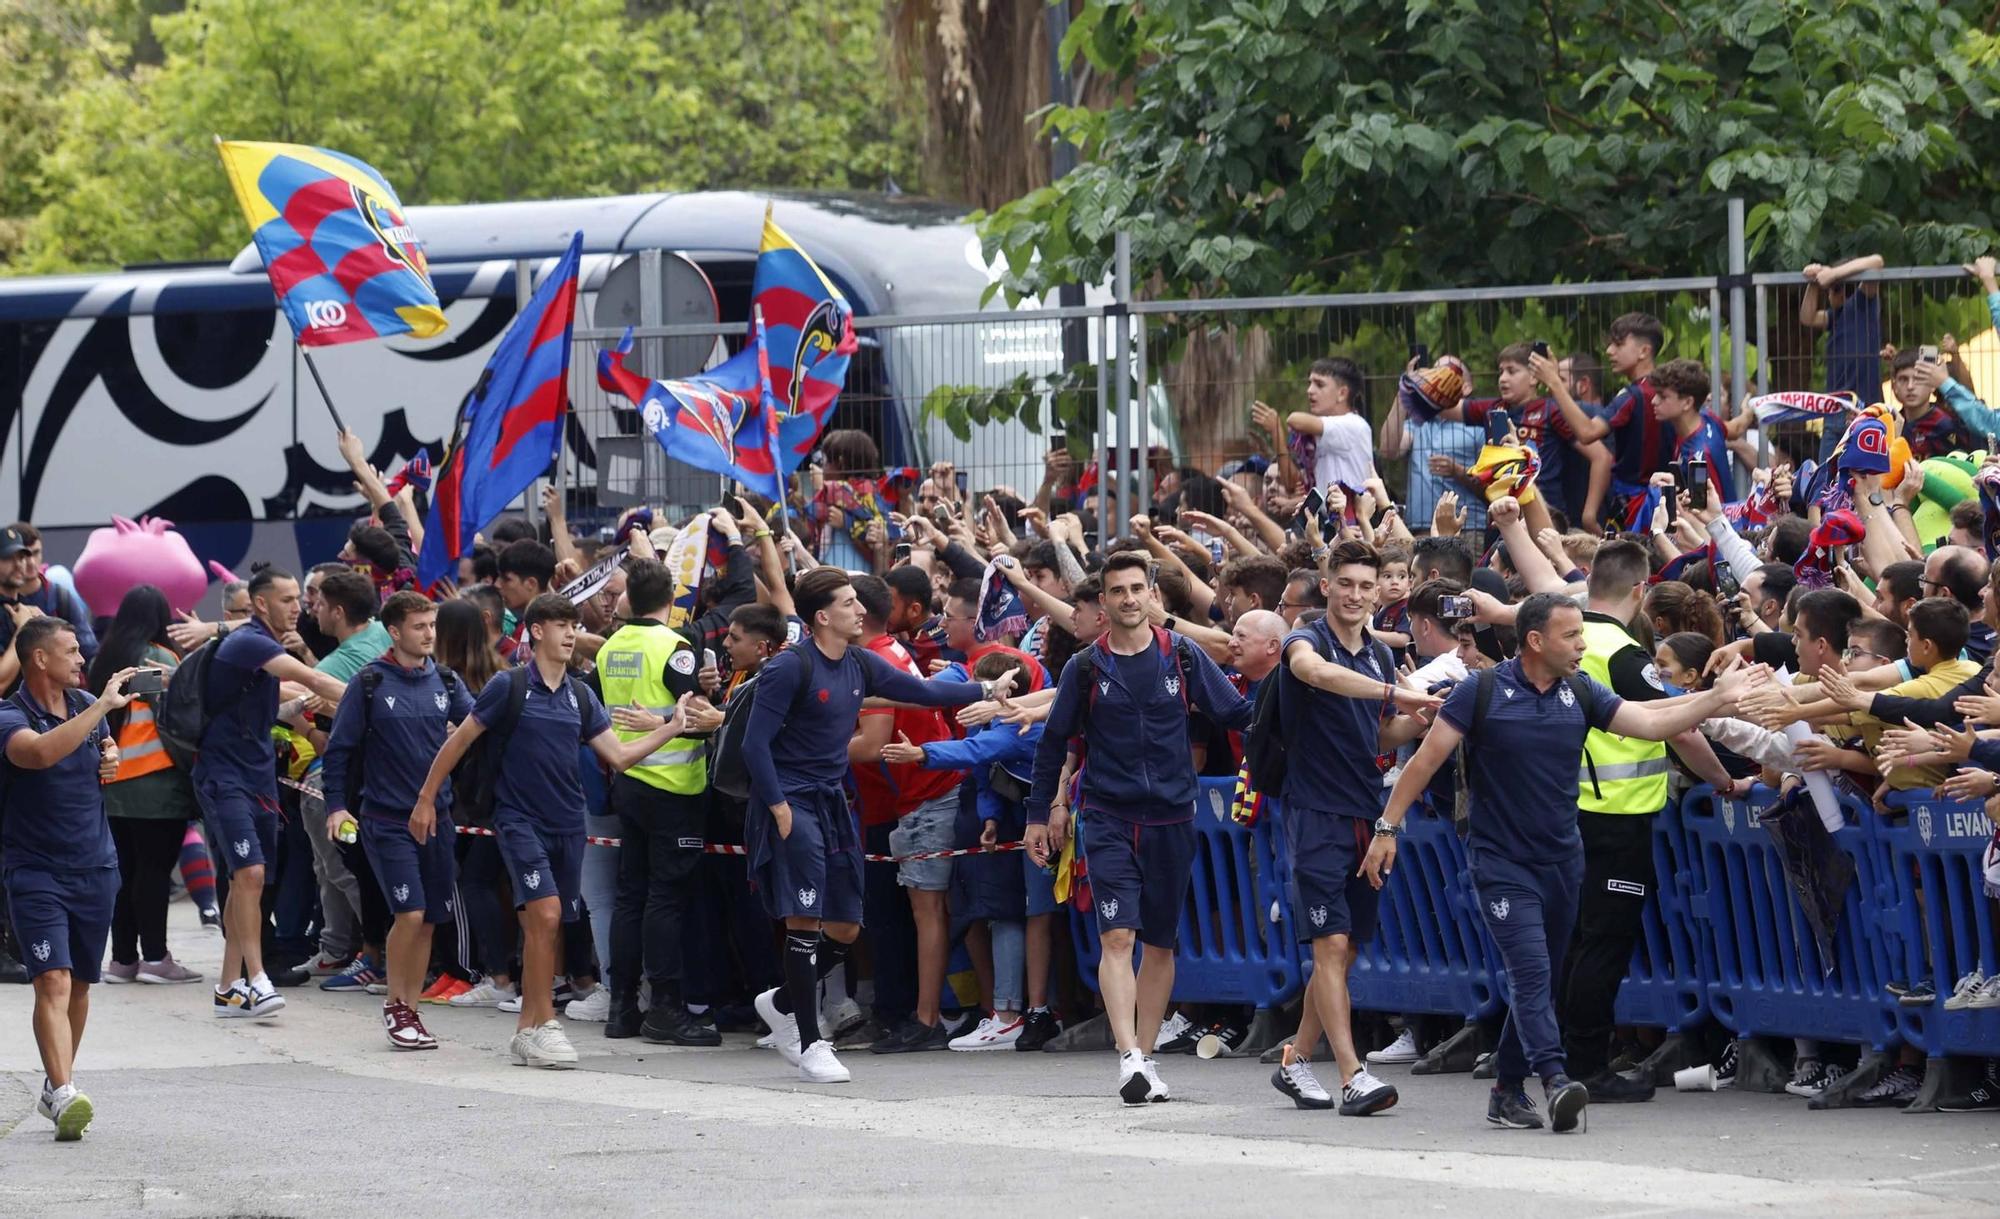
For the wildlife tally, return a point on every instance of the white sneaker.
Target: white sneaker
(46, 1105)
(324, 966)
(1987, 995)
(511, 1005)
(1132, 1082)
(1156, 1088)
(265, 1002)
(840, 1018)
(784, 1029)
(991, 1035)
(818, 1065)
(545, 1045)
(594, 1007)
(1962, 994)
(1172, 1028)
(1402, 1049)
(1296, 1080)
(71, 1112)
(768, 1041)
(483, 994)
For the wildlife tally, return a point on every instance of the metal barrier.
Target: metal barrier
(1765, 975)
(1232, 948)
(1937, 919)
(1431, 953)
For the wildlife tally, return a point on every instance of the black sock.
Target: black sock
(831, 953)
(802, 984)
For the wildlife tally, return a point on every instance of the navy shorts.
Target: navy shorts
(1328, 898)
(62, 919)
(242, 828)
(1138, 875)
(814, 871)
(412, 876)
(541, 862)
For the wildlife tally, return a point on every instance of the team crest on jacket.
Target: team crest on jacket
(1500, 909)
(1173, 684)
(1568, 699)
(442, 700)
(1103, 689)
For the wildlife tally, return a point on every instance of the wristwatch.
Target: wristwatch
(1384, 828)
(1170, 622)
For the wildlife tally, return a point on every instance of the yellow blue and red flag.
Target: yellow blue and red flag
(343, 260)
(756, 416)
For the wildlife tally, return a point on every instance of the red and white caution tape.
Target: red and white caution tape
(727, 848)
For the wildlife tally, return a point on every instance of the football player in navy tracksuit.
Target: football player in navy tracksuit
(1524, 853)
(1128, 696)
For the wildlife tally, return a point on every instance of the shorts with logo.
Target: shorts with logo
(413, 876)
(814, 871)
(931, 826)
(62, 919)
(541, 862)
(242, 828)
(1138, 875)
(1328, 898)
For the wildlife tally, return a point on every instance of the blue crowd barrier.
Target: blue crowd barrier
(1938, 919)
(1766, 976)
(1231, 948)
(1431, 953)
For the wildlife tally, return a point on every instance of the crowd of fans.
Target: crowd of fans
(1648, 503)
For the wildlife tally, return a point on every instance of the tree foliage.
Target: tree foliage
(453, 100)
(1269, 146)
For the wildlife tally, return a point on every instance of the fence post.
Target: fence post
(1763, 368)
(652, 312)
(1120, 494)
(1101, 324)
(1738, 323)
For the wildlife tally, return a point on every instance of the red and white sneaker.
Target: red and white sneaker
(404, 1030)
(992, 1034)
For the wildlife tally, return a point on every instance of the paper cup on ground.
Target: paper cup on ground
(1210, 1046)
(1695, 1079)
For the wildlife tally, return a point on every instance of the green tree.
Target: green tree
(456, 101)
(1269, 146)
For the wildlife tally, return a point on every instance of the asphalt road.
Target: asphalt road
(315, 1115)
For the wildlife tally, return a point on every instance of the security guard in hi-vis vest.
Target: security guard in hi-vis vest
(1621, 786)
(661, 805)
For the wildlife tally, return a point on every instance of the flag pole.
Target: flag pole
(338, 423)
(767, 402)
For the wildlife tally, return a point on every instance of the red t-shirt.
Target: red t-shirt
(887, 792)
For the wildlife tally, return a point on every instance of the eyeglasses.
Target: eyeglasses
(1855, 653)
(1927, 582)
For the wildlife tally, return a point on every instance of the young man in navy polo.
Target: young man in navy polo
(540, 713)
(397, 713)
(236, 779)
(1524, 853)
(1129, 696)
(56, 853)
(1332, 796)
(803, 843)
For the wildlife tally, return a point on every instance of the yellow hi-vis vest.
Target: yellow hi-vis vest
(631, 666)
(1618, 774)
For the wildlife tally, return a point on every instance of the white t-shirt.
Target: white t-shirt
(1345, 453)
(1443, 667)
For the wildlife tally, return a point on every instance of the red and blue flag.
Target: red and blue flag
(344, 262)
(756, 416)
(509, 430)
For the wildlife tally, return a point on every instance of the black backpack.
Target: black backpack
(728, 773)
(1482, 699)
(475, 780)
(367, 682)
(181, 712)
(1267, 743)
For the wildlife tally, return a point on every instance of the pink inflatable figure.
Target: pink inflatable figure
(130, 553)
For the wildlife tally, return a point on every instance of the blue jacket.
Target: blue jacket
(1138, 766)
(989, 745)
(411, 716)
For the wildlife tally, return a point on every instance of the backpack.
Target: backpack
(370, 680)
(728, 772)
(1266, 745)
(1482, 698)
(181, 712)
(475, 780)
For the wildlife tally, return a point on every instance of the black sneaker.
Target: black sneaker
(1567, 1100)
(1893, 1091)
(1610, 1088)
(1984, 1095)
(1181, 1035)
(1510, 1107)
(670, 1024)
(1482, 1066)
(1896, 987)
(1232, 1036)
(736, 1018)
(1042, 1027)
(625, 1018)
(913, 1036)
(1921, 994)
(1725, 1065)
(291, 975)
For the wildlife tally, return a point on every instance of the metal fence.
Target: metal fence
(992, 392)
